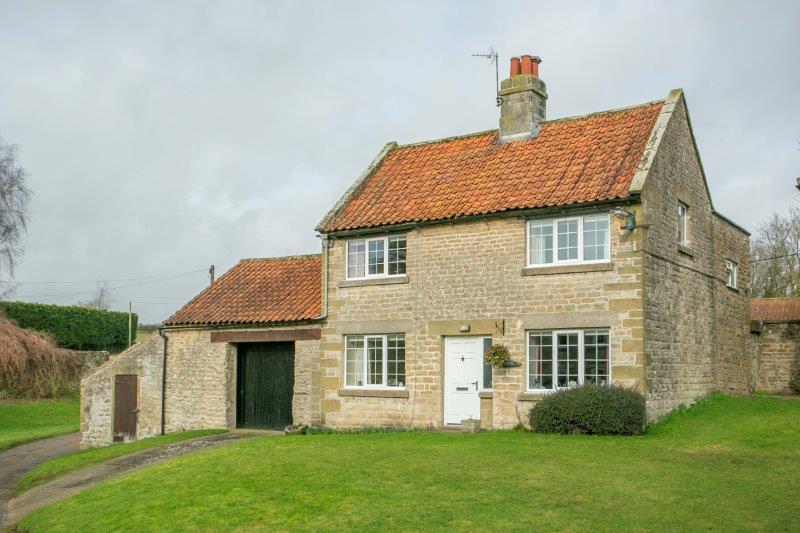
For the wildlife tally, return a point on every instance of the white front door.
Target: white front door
(463, 370)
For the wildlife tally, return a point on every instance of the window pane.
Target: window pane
(681, 224)
(487, 368)
(567, 353)
(595, 238)
(567, 240)
(374, 360)
(540, 360)
(356, 259)
(595, 345)
(375, 257)
(540, 246)
(397, 255)
(396, 361)
(354, 362)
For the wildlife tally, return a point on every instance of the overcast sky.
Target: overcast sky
(163, 137)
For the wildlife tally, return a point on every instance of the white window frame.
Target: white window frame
(553, 222)
(732, 267)
(365, 364)
(581, 357)
(683, 224)
(366, 241)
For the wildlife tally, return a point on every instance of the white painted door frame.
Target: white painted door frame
(463, 376)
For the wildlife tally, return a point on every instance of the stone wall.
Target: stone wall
(735, 365)
(472, 273)
(201, 381)
(97, 393)
(690, 323)
(778, 347)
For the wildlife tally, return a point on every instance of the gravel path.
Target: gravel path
(74, 482)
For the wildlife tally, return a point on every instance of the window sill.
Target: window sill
(487, 394)
(393, 280)
(531, 396)
(567, 269)
(685, 250)
(734, 289)
(374, 393)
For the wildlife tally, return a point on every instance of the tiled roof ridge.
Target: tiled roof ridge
(545, 122)
(793, 298)
(279, 258)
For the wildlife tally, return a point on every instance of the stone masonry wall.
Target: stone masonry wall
(472, 272)
(779, 349)
(681, 284)
(735, 365)
(97, 393)
(201, 381)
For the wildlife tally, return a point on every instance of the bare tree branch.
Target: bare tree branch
(102, 297)
(14, 205)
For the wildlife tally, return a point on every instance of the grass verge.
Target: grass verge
(65, 464)
(730, 463)
(22, 421)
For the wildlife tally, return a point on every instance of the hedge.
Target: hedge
(590, 409)
(78, 328)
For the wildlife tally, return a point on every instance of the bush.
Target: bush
(77, 328)
(590, 409)
(32, 366)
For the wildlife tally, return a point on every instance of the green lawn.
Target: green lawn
(23, 421)
(64, 464)
(731, 463)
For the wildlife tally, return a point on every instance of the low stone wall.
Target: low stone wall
(97, 393)
(778, 348)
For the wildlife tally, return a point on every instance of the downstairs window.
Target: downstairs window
(567, 358)
(375, 361)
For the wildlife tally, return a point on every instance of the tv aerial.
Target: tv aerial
(493, 57)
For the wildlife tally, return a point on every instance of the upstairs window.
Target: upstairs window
(376, 257)
(375, 361)
(572, 240)
(731, 273)
(683, 224)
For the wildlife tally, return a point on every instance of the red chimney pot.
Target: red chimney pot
(535, 60)
(515, 66)
(526, 65)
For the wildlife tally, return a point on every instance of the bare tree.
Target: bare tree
(14, 204)
(101, 298)
(775, 269)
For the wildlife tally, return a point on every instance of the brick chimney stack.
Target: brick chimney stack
(524, 97)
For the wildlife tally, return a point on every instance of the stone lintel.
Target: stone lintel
(274, 335)
(367, 327)
(474, 327)
(569, 320)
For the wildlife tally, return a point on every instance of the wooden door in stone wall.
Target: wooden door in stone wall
(264, 384)
(125, 407)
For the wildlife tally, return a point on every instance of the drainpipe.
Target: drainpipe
(163, 377)
(325, 247)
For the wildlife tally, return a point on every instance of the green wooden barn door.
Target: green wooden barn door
(265, 383)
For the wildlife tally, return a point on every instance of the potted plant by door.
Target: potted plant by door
(498, 356)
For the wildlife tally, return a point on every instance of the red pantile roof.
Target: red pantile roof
(259, 291)
(571, 161)
(775, 310)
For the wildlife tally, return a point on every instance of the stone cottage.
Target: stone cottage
(589, 246)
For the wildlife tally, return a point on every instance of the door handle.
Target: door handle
(476, 384)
